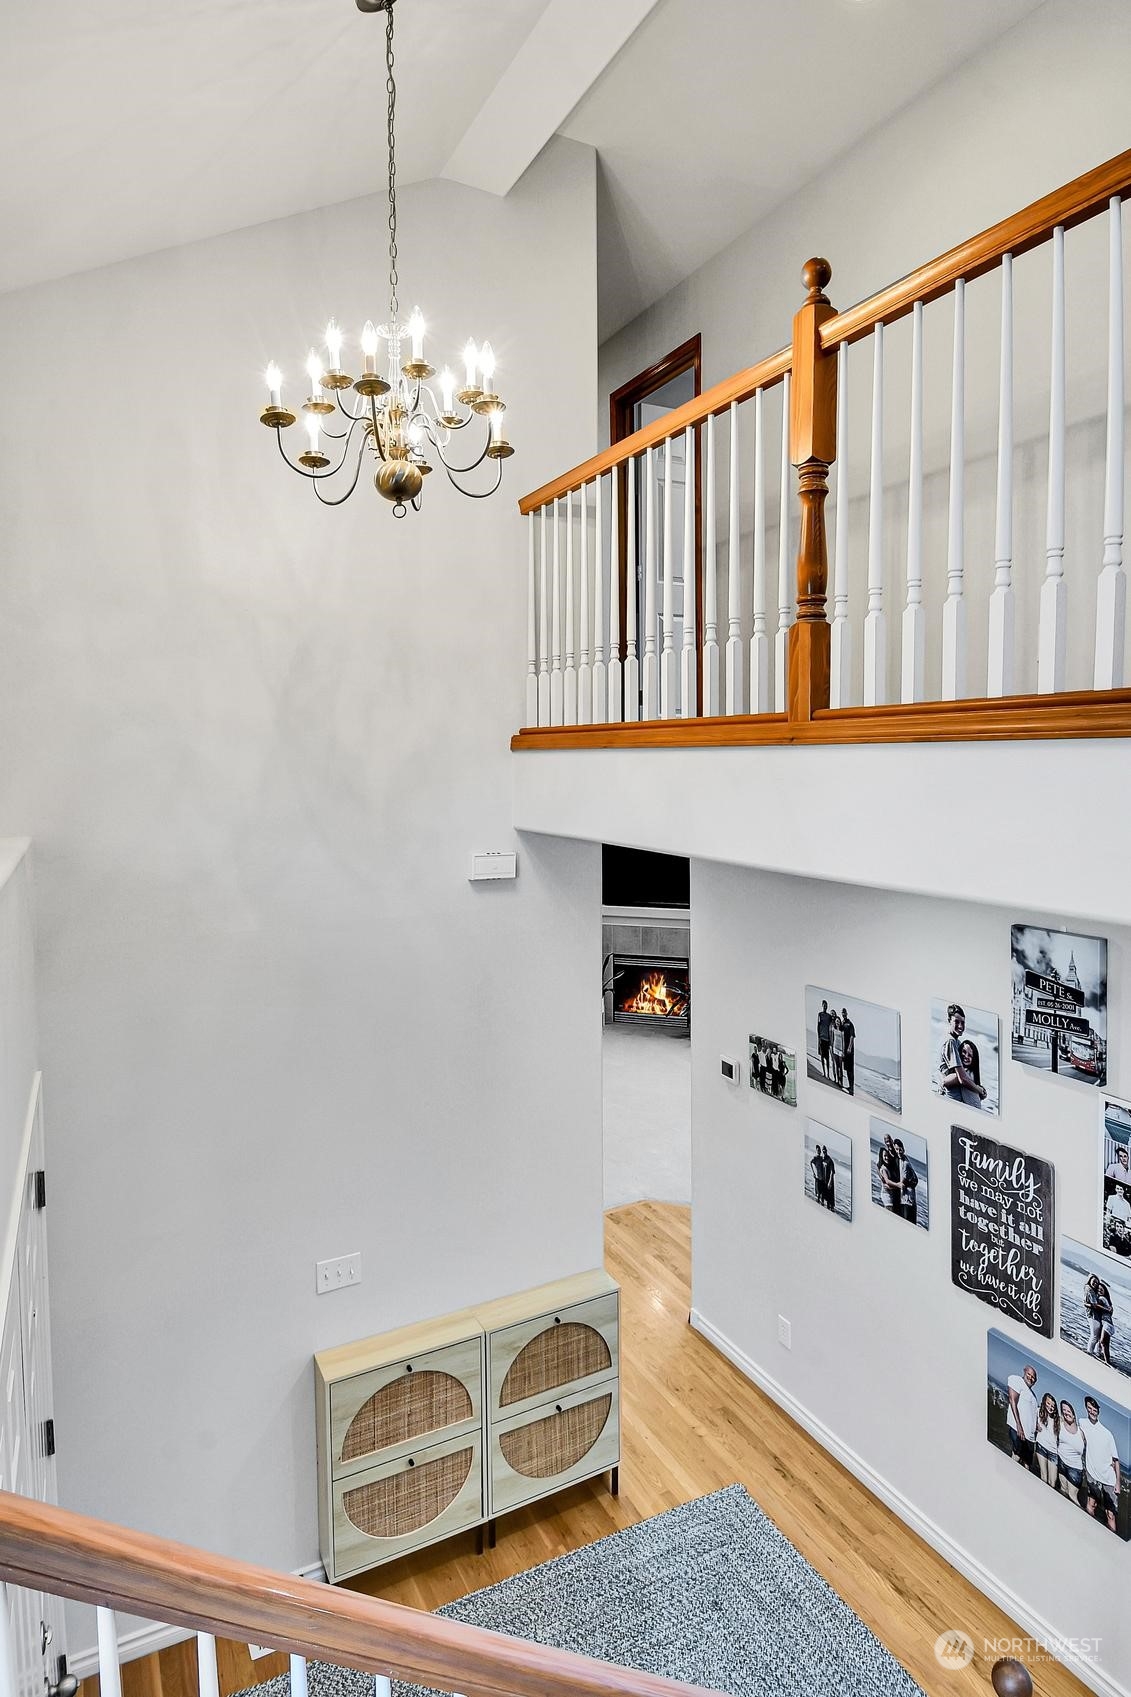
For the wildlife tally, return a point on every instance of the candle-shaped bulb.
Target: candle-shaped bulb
(471, 360)
(415, 433)
(447, 389)
(314, 371)
(334, 344)
(313, 427)
(274, 383)
(369, 338)
(487, 364)
(416, 331)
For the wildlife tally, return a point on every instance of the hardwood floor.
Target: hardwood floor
(692, 1423)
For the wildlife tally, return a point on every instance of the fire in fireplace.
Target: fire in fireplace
(646, 990)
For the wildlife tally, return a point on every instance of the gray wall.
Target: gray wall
(255, 743)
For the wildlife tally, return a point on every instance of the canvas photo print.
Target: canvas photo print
(828, 1168)
(966, 1055)
(773, 1070)
(1060, 1003)
(900, 1184)
(1115, 1166)
(1068, 1438)
(1095, 1304)
(853, 1047)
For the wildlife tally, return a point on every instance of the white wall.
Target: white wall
(19, 1043)
(888, 1357)
(255, 743)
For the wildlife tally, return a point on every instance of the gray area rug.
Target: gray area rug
(710, 1593)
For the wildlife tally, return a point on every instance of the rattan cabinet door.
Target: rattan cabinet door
(551, 1356)
(405, 1504)
(387, 1412)
(541, 1450)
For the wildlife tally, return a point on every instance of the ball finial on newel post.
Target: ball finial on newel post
(1011, 1678)
(817, 274)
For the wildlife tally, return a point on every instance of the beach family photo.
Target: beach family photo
(1095, 1304)
(1071, 1439)
(828, 1168)
(966, 1055)
(853, 1046)
(899, 1172)
(1060, 1003)
(773, 1070)
(1115, 1166)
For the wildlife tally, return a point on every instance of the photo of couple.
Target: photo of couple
(828, 1168)
(966, 1055)
(899, 1173)
(1115, 1165)
(1061, 1432)
(853, 1046)
(773, 1070)
(1095, 1304)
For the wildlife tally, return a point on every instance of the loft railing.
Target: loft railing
(49, 1549)
(752, 656)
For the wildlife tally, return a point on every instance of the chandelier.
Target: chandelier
(392, 415)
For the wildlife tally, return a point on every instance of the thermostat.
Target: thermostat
(494, 864)
(731, 1070)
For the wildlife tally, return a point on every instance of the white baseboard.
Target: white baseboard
(1031, 1624)
(147, 1640)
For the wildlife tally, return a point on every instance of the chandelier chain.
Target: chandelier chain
(391, 87)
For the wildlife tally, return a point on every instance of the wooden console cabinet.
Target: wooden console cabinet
(435, 1428)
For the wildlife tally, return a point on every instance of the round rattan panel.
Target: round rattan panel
(404, 1502)
(557, 1356)
(407, 1408)
(555, 1444)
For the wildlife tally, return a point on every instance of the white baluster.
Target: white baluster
(759, 640)
(569, 682)
(954, 607)
(785, 562)
(1054, 594)
(914, 654)
(109, 1668)
(840, 637)
(632, 611)
(616, 684)
(9, 1679)
(651, 706)
(600, 672)
(556, 690)
(734, 680)
(875, 621)
(687, 673)
(544, 623)
(584, 667)
(531, 628)
(710, 582)
(999, 667)
(207, 1677)
(299, 1682)
(1111, 591)
(669, 660)
(382, 1685)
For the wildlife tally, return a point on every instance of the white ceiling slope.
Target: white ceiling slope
(717, 110)
(132, 125)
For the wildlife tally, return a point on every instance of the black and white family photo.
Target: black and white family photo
(1060, 1003)
(966, 1055)
(828, 1168)
(1095, 1304)
(1061, 1432)
(900, 1181)
(1115, 1165)
(773, 1070)
(853, 1046)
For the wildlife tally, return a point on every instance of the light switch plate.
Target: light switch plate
(337, 1274)
(493, 864)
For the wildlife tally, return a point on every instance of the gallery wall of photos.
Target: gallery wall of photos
(1068, 1436)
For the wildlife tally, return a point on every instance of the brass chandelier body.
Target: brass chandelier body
(393, 419)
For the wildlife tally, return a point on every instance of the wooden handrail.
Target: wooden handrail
(714, 400)
(1073, 204)
(51, 1549)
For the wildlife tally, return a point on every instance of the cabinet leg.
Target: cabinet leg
(490, 1534)
(479, 1539)
(614, 1481)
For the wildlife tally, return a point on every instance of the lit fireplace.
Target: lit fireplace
(650, 991)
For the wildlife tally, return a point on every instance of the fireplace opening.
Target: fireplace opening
(647, 990)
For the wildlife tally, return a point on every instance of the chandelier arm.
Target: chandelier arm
(336, 500)
(476, 494)
(381, 454)
(462, 470)
(315, 476)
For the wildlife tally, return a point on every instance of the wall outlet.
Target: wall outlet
(731, 1070)
(785, 1332)
(336, 1275)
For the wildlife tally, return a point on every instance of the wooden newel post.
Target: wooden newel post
(812, 440)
